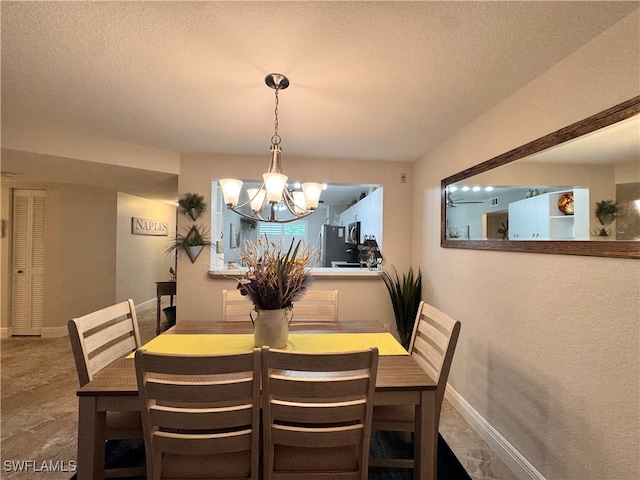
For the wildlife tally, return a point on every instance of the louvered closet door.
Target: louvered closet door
(27, 300)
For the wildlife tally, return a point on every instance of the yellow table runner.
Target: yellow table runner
(199, 344)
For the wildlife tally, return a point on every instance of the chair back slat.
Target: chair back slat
(108, 334)
(343, 436)
(211, 444)
(174, 390)
(170, 364)
(201, 419)
(283, 386)
(341, 412)
(114, 351)
(320, 362)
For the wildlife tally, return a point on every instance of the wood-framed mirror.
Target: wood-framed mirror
(542, 197)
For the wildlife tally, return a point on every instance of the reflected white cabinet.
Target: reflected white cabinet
(529, 218)
(538, 218)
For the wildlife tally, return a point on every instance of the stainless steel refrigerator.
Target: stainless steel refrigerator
(334, 247)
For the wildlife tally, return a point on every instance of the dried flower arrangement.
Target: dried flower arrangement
(275, 277)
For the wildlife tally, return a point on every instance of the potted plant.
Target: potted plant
(192, 204)
(606, 211)
(192, 243)
(405, 294)
(275, 277)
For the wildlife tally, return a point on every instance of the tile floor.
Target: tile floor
(39, 408)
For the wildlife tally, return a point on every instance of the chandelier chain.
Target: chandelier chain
(274, 191)
(275, 140)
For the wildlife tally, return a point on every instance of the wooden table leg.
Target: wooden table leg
(426, 438)
(158, 305)
(91, 437)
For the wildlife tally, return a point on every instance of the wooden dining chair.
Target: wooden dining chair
(98, 339)
(433, 343)
(316, 411)
(314, 309)
(235, 306)
(317, 309)
(201, 414)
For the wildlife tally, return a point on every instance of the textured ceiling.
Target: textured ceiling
(369, 80)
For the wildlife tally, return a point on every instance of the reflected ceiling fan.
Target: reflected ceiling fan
(452, 203)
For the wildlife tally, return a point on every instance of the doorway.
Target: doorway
(27, 261)
(495, 225)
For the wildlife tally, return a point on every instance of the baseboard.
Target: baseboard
(502, 448)
(152, 303)
(54, 332)
(62, 331)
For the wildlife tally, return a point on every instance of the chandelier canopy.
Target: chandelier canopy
(274, 190)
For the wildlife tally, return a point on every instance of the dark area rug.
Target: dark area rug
(392, 445)
(383, 444)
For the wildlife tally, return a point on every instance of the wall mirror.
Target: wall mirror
(575, 191)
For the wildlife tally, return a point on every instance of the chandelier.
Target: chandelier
(274, 192)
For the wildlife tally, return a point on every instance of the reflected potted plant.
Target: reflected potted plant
(275, 278)
(406, 294)
(606, 211)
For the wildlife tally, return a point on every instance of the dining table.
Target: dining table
(399, 380)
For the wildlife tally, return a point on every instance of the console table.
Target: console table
(163, 288)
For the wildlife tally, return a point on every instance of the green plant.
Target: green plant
(405, 294)
(194, 238)
(248, 223)
(275, 277)
(192, 204)
(606, 211)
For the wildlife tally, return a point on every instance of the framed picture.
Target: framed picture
(145, 226)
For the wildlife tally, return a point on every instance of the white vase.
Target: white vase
(271, 327)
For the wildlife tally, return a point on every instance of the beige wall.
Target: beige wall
(628, 172)
(92, 260)
(548, 353)
(80, 254)
(141, 259)
(200, 296)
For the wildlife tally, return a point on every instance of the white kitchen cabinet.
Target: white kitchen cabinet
(538, 218)
(368, 212)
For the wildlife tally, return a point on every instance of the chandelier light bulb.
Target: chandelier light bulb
(231, 190)
(312, 193)
(256, 197)
(299, 203)
(274, 183)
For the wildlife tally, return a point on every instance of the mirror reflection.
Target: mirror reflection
(586, 189)
(346, 216)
